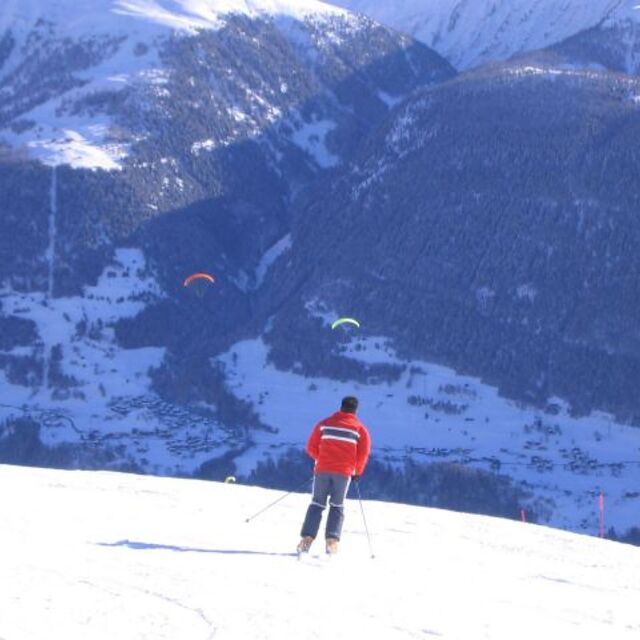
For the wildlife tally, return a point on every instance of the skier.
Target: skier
(340, 446)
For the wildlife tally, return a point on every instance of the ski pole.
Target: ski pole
(364, 519)
(282, 497)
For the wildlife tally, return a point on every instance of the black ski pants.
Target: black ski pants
(332, 487)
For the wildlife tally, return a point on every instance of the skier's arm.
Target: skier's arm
(364, 448)
(313, 445)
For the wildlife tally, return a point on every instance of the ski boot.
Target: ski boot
(304, 545)
(332, 546)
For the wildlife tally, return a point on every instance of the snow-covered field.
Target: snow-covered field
(105, 555)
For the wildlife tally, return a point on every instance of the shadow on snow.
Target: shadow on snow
(132, 544)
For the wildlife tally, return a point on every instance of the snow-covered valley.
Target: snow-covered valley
(100, 395)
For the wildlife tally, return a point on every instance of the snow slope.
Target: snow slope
(470, 32)
(104, 555)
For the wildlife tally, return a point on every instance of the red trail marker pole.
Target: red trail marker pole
(601, 511)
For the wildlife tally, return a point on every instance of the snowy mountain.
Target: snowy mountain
(613, 45)
(624, 25)
(471, 32)
(73, 75)
(111, 555)
(168, 107)
(557, 464)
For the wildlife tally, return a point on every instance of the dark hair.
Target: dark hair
(349, 404)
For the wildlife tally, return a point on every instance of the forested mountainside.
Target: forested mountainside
(491, 224)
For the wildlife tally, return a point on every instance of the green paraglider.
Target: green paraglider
(340, 321)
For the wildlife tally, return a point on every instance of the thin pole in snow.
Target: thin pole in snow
(275, 502)
(364, 519)
(601, 511)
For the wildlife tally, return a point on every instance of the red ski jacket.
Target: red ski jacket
(340, 444)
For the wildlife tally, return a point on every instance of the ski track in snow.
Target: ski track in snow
(105, 555)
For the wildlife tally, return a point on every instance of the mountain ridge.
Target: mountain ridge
(472, 33)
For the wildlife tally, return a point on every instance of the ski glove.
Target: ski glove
(355, 478)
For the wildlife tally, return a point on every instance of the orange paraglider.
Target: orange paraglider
(199, 282)
(198, 276)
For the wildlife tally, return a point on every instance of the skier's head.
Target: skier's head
(349, 404)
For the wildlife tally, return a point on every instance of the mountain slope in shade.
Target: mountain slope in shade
(102, 555)
(470, 32)
(169, 116)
